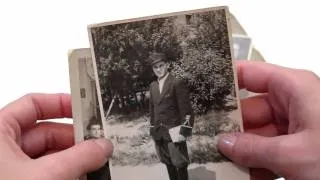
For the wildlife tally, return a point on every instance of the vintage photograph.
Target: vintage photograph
(166, 89)
(242, 46)
(87, 119)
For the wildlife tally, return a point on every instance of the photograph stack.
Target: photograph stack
(162, 88)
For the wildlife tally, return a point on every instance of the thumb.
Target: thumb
(80, 159)
(250, 150)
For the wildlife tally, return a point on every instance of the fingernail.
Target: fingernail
(226, 142)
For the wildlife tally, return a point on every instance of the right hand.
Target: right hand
(282, 125)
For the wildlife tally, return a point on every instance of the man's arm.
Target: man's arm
(185, 108)
(151, 108)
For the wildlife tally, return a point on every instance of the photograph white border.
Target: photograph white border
(236, 86)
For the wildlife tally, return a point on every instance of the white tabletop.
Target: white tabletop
(35, 35)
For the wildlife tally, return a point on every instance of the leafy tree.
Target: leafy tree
(122, 52)
(198, 48)
(206, 62)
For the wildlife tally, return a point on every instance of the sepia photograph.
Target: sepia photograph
(242, 46)
(87, 119)
(167, 87)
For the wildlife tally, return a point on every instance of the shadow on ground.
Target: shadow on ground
(201, 173)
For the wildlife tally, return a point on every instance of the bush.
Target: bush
(198, 48)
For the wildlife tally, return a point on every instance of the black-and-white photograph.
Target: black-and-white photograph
(166, 89)
(242, 46)
(88, 123)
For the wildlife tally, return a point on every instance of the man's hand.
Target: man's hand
(37, 151)
(282, 124)
(181, 138)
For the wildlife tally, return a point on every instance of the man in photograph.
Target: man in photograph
(171, 118)
(95, 130)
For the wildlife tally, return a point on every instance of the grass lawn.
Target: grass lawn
(133, 145)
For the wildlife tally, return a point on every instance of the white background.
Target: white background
(36, 35)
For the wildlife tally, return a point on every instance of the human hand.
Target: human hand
(282, 126)
(37, 151)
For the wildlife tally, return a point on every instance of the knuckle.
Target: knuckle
(307, 72)
(306, 75)
(295, 83)
(28, 96)
(305, 81)
(27, 99)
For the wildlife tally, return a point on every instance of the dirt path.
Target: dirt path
(217, 171)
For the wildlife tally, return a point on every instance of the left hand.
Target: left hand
(37, 151)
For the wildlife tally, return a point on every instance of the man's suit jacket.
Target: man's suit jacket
(102, 173)
(170, 108)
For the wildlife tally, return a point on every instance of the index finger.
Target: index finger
(25, 111)
(255, 76)
(290, 92)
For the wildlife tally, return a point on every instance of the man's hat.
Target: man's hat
(156, 57)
